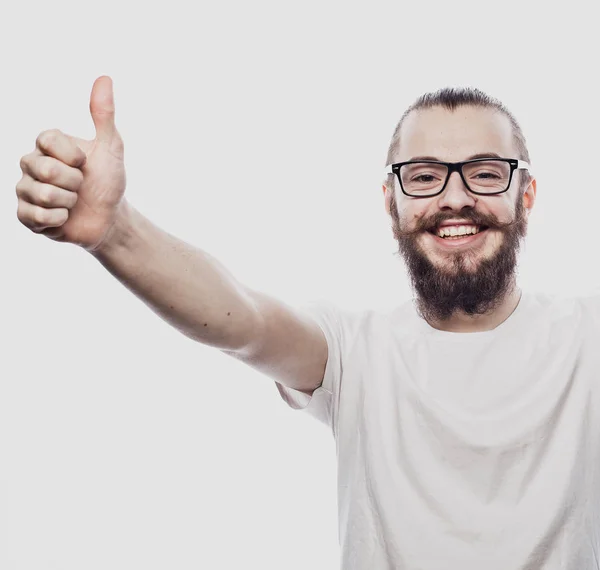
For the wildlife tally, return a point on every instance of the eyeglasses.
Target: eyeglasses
(483, 176)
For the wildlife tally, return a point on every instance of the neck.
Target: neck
(463, 323)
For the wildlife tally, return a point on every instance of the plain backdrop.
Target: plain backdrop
(258, 132)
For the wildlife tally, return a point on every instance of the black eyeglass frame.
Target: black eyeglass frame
(515, 164)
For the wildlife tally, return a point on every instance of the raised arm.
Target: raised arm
(72, 190)
(196, 294)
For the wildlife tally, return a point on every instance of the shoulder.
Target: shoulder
(562, 308)
(358, 324)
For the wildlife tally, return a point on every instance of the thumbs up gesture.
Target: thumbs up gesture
(71, 188)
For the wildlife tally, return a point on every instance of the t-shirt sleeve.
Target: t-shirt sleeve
(323, 404)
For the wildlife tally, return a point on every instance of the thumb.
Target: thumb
(102, 109)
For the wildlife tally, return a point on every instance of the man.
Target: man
(467, 424)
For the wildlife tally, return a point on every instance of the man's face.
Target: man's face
(471, 275)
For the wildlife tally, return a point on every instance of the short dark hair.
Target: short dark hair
(453, 97)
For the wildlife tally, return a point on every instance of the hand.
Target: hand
(72, 188)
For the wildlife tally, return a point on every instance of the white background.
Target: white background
(256, 131)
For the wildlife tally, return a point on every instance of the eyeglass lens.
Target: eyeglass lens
(423, 178)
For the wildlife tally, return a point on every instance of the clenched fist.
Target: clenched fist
(71, 188)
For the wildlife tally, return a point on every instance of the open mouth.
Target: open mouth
(448, 239)
(448, 235)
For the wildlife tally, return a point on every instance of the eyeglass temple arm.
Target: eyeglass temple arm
(526, 166)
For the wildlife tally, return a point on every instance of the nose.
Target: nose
(456, 195)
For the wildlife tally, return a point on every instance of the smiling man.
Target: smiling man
(467, 419)
(462, 283)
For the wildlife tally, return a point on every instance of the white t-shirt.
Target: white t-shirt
(465, 451)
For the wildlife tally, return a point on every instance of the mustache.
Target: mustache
(431, 224)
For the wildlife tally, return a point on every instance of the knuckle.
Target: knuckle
(39, 216)
(47, 139)
(47, 170)
(24, 162)
(21, 188)
(22, 217)
(46, 195)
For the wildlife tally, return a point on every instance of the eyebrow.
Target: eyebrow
(472, 157)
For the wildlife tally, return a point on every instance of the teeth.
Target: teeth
(457, 230)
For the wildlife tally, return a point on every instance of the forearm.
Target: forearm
(184, 285)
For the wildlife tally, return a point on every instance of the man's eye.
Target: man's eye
(423, 178)
(488, 175)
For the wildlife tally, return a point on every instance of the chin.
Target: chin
(450, 266)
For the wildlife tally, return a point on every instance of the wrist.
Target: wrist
(118, 235)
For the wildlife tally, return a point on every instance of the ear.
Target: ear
(529, 195)
(387, 194)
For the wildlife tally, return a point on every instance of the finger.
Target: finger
(45, 195)
(102, 109)
(51, 171)
(37, 218)
(56, 144)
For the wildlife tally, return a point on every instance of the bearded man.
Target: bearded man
(467, 419)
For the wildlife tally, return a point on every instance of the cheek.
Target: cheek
(492, 242)
(411, 216)
(504, 210)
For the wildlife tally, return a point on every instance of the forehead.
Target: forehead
(455, 135)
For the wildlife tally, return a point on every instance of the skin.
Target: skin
(453, 136)
(73, 190)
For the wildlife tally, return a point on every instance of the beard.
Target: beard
(479, 289)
